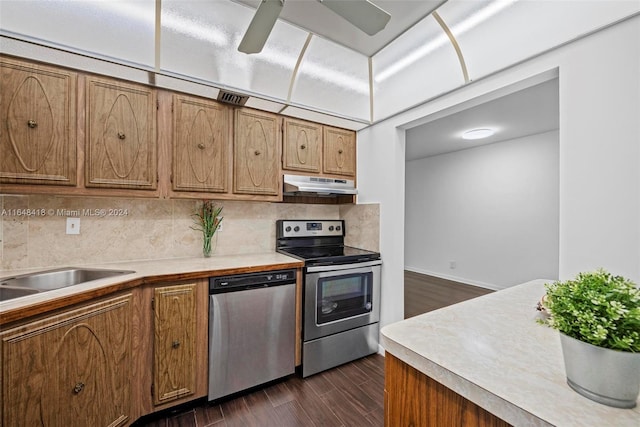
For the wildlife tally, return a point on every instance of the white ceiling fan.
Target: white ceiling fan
(361, 13)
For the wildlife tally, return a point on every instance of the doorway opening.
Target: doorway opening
(483, 215)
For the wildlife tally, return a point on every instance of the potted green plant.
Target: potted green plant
(207, 220)
(598, 317)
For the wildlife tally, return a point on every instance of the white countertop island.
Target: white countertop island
(491, 351)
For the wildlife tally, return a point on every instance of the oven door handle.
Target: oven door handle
(320, 268)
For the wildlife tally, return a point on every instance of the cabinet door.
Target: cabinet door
(70, 369)
(121, 139)
(301, 146)
(256, 153)
(339, 155)
(174, 362)
(200, 145)
(38, 110)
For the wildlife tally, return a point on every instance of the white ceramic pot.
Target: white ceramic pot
(606, 376)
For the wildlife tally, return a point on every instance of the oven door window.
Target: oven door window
(343, 296)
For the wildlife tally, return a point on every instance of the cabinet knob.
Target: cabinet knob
(32, 124)
(303, 146)
(257, 152)
(175, 344)
(340, 151)
(201, 146)
(78, 388)
(121, 135)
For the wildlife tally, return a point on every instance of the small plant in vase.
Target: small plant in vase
(207, 220)
(598, 317)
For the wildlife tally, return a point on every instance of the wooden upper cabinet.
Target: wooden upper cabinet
(174, 362)
(72, 369)
(38, 136)
(121, 135)
(301, 146)
(256, 154)
(339, 156)
(201, 143)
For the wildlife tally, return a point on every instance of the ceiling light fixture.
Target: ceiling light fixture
(478, 133)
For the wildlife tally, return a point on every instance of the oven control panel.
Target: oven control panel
(306, 228)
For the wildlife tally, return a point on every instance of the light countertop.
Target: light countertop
(491, 351)
(152, 271)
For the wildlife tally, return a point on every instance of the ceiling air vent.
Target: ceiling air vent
(232, 98)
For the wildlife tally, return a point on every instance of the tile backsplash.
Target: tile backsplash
(33, 228)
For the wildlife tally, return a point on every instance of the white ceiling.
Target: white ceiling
(526, 112)
(312, 16)
(191, 46)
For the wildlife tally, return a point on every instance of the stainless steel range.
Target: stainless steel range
(341, 297)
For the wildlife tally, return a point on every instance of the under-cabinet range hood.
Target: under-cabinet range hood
(318, 186)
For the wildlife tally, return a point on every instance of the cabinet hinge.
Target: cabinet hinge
(153, 303)
(158, 105)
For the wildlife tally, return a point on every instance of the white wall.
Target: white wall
(599, 158)
(492, 210)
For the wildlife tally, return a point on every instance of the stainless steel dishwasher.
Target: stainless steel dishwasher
(251, 330)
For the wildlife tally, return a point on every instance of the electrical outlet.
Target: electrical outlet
(73, 225)
(452, 265)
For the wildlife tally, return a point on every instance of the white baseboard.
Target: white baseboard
(478, 283)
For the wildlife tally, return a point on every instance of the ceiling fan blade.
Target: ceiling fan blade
(261, 25)
(361, 13)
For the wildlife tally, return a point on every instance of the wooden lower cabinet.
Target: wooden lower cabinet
(71, 369)
(413, 399)
(107, 363)
(174, 345)
(173, 333)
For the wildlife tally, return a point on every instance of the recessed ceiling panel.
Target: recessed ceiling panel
(334, 79)
(528, 111)
(496, 34)
(200, 39)
(320, 20)
(414, 68)
(122, 31)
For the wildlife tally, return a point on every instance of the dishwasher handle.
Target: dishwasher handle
(240, 282)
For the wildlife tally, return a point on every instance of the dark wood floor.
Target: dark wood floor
(423, 293)
(350, 395)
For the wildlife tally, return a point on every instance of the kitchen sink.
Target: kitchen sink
(7, 292)
(27, 284)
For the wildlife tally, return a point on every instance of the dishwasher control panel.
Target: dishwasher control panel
(238, 282)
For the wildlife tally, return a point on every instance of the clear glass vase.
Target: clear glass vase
(209, 245)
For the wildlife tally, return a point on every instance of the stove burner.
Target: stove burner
(318, 242)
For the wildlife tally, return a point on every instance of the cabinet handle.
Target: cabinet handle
(175, 344)
(303, 146)
(340, 151)
(32, 124)
(121, 135)
(78, 388)
(257, 152)
(201, 146)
